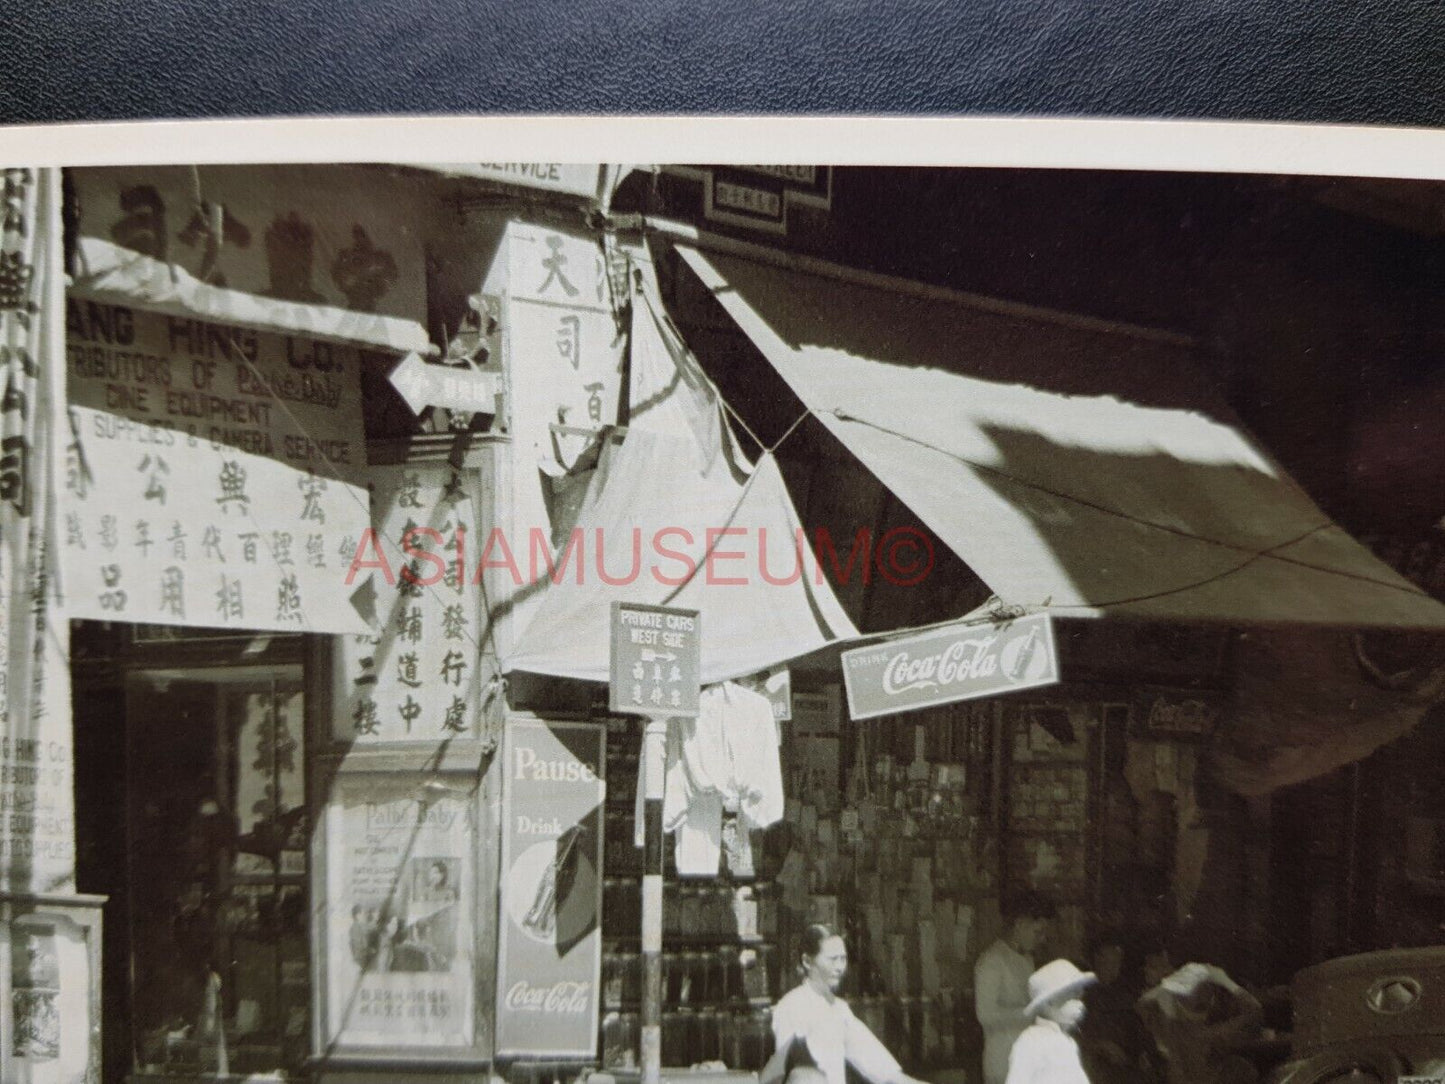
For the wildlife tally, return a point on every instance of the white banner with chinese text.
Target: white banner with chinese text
(211, 474)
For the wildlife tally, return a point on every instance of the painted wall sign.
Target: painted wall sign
(400, 886)
(956, 662)
(211, 474)
(656, 660)
(759, 196)
(549, 960)
(564, 359)
(416, 678)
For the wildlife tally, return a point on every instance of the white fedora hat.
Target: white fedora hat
(1057, 980)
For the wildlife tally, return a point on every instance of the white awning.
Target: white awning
(1081, 504)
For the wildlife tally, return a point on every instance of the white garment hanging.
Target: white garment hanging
(724, 760)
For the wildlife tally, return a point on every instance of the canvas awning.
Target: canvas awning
(675, 516)
(1082, 504)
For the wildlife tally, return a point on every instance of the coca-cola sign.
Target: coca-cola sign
(549, 956)
(956, 662)
(558, 997)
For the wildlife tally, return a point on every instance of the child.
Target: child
(1046, 1052)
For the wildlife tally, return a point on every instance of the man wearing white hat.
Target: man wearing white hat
(1198, 1017)
(1046, 1052)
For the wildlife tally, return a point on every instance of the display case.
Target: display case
(721, 967)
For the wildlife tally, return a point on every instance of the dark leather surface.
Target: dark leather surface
(1377, 61)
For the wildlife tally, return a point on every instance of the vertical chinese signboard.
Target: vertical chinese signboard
(37, 811)
(415, 679)
(211, 478)
(564, 351)
(400, 896)
(549, 958)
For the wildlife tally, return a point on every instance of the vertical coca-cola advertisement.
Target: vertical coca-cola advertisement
(549, 958)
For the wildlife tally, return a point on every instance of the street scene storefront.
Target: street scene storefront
(478, 621)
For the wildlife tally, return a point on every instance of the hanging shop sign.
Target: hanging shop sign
(656, 660)
(211, 474)
(759, 196)
(549, 959)
(956, 662)
(416, 677)
(320, 236)
(399, 940)
(429, 384)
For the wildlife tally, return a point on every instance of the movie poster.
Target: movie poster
(400, 887)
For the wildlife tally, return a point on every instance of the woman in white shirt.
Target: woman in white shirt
(811, 1023)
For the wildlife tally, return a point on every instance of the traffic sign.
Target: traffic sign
(425, 384)
(656, 660)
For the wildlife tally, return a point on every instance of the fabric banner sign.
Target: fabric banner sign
(417, 677)
(211, 474)
(37, 807)
(324, 242)
(398, 914)
(549, 960)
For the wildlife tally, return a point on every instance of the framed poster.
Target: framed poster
(549, 957)
(397, 926)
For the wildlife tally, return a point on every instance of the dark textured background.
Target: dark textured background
(1380, 61)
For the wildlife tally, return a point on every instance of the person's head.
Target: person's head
(1194, 988)
(436, 875)
(358, 912)
(1026, 921)
(1108, 959)
(1157, 965)
(825, 957)
(1056, 993)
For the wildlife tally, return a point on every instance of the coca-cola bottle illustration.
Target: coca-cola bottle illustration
(541, 917)
(1024, 656)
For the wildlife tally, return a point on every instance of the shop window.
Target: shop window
(217, 824)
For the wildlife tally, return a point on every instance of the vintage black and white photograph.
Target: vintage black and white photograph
(566, 623)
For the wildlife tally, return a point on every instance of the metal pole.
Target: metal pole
(654, 743)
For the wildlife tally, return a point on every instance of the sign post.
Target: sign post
(425, 384)
(656, 673)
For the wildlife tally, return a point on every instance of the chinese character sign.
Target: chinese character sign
(209, 479)
(308, 235)
(400, 957)
(417, 678)
(37, 812)
(565, 352)
(656, 660)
